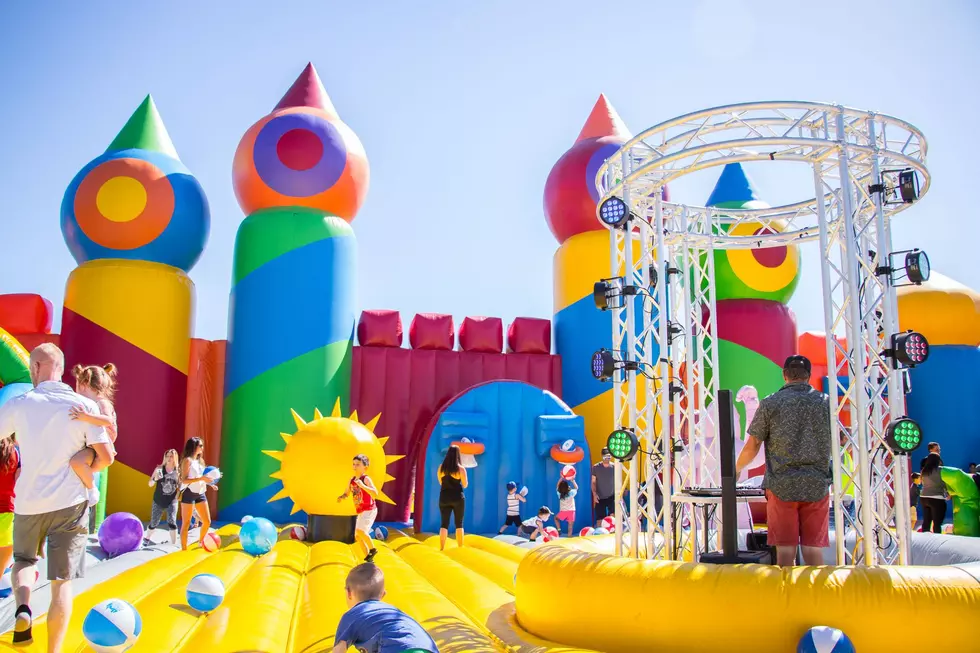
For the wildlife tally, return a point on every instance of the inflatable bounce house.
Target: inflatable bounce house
(286, 402)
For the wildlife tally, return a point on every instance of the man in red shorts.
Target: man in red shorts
(794, 424)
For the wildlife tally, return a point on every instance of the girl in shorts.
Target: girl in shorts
(9, 472)
(567, 489)
(193, 484)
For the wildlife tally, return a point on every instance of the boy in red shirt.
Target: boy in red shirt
(362, 488)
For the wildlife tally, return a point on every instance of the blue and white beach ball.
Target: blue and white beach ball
(212, 473)
(205, 592)
(258, 535)
(380, 533)
(824, 639)
(112, 626)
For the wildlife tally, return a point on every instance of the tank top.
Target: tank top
(363, 502)
(196, 470)
(513, 505)
(165, 491)
(451, 490)
(8, 482)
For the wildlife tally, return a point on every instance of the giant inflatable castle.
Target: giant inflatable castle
(285, 402)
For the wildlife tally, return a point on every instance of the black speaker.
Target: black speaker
(729, 555)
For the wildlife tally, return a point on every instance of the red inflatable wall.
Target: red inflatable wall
(408, 386)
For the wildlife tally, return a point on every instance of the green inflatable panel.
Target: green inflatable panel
(966, 501)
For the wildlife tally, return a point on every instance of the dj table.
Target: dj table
(703, 504)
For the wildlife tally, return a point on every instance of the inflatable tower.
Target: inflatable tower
(136, 220)
(582, 258)
(300, 175)
(756, 330)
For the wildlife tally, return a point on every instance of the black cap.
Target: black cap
(605, 451)
(797, 362)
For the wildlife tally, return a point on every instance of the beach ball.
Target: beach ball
(608, 523)
(205, 592)
(380, 533)
(112, 626)
(298, 533)
(258, 535)
(213, 473)
(568, 472)
(585, 532)
(211, 542)
(524, 491)
(6, 582)
(121, 532)
(600, 531)
(246, 518)
(550, 534)
(824, 639)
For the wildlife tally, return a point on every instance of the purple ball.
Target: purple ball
(121, 532)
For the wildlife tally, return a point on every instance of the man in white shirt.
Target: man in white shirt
(51, 502)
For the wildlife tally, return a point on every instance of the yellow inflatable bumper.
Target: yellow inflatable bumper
(680, 607)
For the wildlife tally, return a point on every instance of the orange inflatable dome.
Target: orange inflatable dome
(943, 310)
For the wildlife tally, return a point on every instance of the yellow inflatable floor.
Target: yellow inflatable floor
(291, 599)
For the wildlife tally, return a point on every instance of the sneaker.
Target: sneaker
(22, 626)
(370, 555)
(92, 494)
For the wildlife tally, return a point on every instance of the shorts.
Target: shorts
(793, 523)
(605, 508)
(565, 515)
(6, 529)
(526, 531)
(456, 509)
(513, 520)
(66, 532)
(365, 520)
(191, 498)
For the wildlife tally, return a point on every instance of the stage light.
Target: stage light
(910, 348)
(908, 185)
(605, 291)
(603, 365)
(622, 444)
(903, 435)
(917, 267)
(614, 212)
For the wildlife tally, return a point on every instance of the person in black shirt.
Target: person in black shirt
(933, 447)
(165, 482)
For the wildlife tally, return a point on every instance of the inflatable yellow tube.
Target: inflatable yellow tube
(494, 568)
(482, 600)
(323, 600)
(499, 549)
(685, 607)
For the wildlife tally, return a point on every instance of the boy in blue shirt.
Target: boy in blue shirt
(371, 626)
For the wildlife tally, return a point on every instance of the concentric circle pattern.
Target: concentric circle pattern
(137, 205)
(300, 156)
(767, 273)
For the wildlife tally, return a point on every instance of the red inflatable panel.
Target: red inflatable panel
(408, 386)
(25, 313)
(739, 321)
(529, 335)
(380, 328)
(32, 340)
(432, 331)
(482, 334)
(813, 345)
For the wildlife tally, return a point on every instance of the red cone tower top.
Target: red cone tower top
(603, 121)
(308, 91)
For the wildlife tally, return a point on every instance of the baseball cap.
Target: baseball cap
(511, 485)
(797, 362)
(605, 452)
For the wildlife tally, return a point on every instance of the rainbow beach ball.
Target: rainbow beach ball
(112, 626)
(824, 639)
(205, 592)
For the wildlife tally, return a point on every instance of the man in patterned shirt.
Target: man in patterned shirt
(794, 424)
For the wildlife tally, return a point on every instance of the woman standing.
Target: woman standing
(932, 495)
(452, 481)
(193, 484)
(165, 481)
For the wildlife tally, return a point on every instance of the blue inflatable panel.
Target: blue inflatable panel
(12, 390)
(945, 400)
(518, 424)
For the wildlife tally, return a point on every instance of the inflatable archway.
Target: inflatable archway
(515, 432)
(15, 374)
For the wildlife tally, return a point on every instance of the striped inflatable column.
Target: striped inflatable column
(300, 175)
(136, 220)
(582, 259)
(756, 329)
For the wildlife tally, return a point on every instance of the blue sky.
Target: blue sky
(463, 108)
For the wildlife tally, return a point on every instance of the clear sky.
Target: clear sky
(463, 107)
